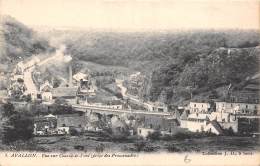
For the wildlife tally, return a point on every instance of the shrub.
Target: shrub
(154, 136)
(172, 148)
(18, 127)
(139, 146)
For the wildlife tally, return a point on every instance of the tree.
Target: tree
(154, 136)
(19, 126)
(8, 110)
(60, 101)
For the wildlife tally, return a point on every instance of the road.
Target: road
(119, 83)
(28, 81)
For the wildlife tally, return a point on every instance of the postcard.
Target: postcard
(129, 82)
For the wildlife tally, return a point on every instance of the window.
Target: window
(246, 106)
(194, 105)
(231, 105)
(140, 131)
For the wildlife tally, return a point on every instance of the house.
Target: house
(195, 122)
(80, 76)
(144, 132)
(238, 108)
(199, 107)
(114, 104)
(45, 91)
(45, 125)
(156, 106)
(152, 123)
(46, 96)
(46, 87)
(86, 88)
(199, 122)
(16, 77)
(135, 82)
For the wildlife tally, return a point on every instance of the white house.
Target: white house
(199, 107)
(238, 108)
(77, 77)
(156, 107)
(46, 96)
(144, 132)
(46, 86)
(198, 122)
(45, 90)
(195, 122)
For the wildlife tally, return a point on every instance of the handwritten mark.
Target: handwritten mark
(186, 159)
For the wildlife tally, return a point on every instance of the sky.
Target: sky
(135, 14)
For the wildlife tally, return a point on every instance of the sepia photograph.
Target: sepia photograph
(129, 79)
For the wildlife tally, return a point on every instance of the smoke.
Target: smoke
(56, 63)
(56, 59)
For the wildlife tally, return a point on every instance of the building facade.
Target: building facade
(199, 107)
(238, 108)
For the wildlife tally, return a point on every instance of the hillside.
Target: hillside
(209, 74)
(143, 51)
(176, 64)
(19, 42)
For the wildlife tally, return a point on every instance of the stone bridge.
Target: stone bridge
(111, 111)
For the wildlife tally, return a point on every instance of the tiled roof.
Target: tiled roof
(79, 76)
(161, 123)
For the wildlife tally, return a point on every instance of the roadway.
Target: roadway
(119, 83)
(28, 81)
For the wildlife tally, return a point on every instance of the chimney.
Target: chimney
(70, 75)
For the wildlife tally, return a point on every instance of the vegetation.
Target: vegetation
(16, 125)
(21, 42)
(176, 65)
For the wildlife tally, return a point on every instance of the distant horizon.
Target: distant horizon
(138, 16)
(42, 28)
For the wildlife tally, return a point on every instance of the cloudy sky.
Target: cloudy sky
(135, 14)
